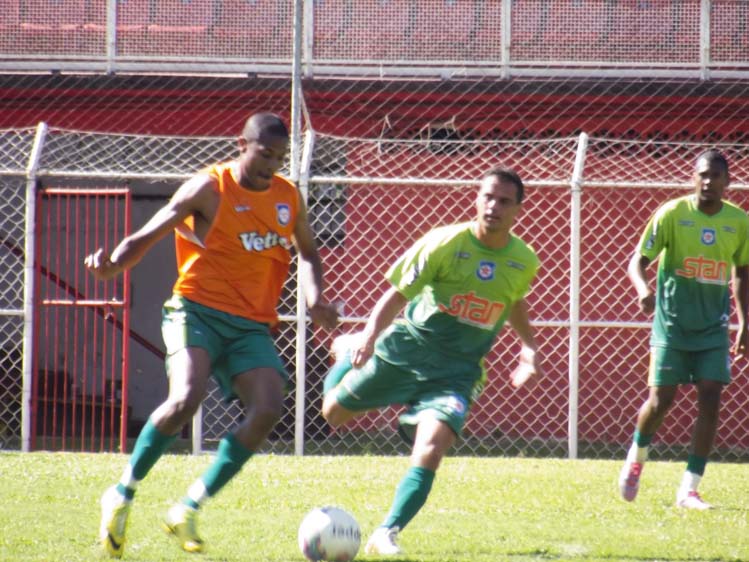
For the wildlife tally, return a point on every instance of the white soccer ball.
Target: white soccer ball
(329, 533)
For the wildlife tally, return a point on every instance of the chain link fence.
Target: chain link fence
(11, 306)
(369, 200)
(410, 102)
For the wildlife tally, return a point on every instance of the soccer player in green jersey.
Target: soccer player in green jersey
(459, 284)
(699, 240)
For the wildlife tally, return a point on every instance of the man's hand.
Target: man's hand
(362, 350)
(528, 370)
(740, 345)
(101, 266)
(324, 314)
(647, 303)
(356, 344)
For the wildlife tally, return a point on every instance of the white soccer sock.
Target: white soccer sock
(637, 454)
(127, 479)
(197, 492)
(689, 482)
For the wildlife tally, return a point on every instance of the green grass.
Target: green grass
(480, 509)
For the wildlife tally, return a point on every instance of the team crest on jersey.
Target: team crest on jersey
(284, 213)
(708, 236)
(485, 272)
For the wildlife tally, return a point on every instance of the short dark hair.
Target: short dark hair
(715, 156)
(507, 174)
(259, 124)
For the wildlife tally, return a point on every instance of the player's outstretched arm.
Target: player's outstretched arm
(741, 297)
(387, 308)
(195, 197)
(529, 366)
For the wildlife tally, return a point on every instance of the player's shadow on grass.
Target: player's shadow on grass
(734, 508)
(723, 507)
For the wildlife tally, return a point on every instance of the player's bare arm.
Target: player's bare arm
(637, 273)
(196, 197)
(529, 366)
(741, 298)
(310, 269)
(387, 308)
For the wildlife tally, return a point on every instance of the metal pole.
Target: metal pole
(301, 324)
(705, 6)
(574, 360)
(505, 38)
(197, 431)
(111, 35)
(296, 91)
(309, 39)
(296, 164)
(29, 286)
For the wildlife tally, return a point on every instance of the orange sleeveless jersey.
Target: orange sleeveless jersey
(245, 261)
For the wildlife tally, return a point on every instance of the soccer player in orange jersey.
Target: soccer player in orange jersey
(235, 224)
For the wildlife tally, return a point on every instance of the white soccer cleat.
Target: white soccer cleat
(692, 500)
(382, 541)
(114, 512)
(343, 344)
(629, 480)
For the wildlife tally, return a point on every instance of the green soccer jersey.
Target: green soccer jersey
(460, 291)
(697, 253)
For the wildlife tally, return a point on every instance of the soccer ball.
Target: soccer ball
(329, 533)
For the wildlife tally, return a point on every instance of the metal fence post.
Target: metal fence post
(29, 287)
(574, 360)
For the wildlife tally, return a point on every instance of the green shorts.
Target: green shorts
(234, 344)
(675, 366)
(379, 383)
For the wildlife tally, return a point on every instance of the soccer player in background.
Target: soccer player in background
(461, 283)
(698, 239)
(235, 225)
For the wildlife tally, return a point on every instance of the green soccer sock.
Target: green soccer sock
(696, 465)
(149, 447)
(642, 440)
(336, 374)
(410, 495)
(638, 451)
(230, 458)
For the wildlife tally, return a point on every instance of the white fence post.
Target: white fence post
(111, 35)
(197, 431)
(576, 194)
(295, 165)
(300, 403)
(29, 285)
(705, 55)
(505, 38)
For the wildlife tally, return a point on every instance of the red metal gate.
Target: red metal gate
(80, 381)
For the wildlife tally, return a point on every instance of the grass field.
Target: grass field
(480, 510)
